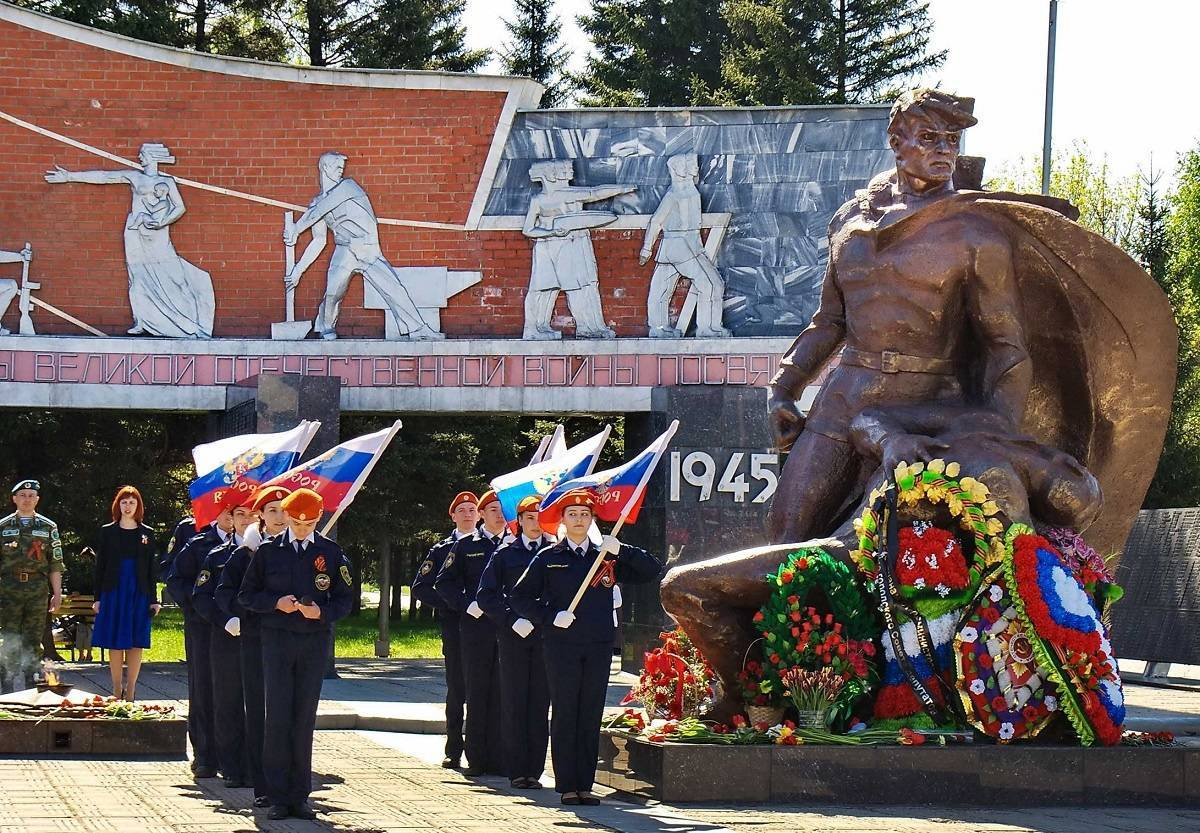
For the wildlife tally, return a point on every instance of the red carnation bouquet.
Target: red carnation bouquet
(930, 560)
(676, 681)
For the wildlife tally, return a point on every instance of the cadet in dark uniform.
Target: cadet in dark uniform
(299, 582)
(197, 642)
(465, 514)
(185, 530)
(578, 646)
(271, 522)
(524, 696)
(229, 706)
(456, 583)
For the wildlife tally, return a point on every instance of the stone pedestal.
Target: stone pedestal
(969, 775)
(710, 494)
(282, 400)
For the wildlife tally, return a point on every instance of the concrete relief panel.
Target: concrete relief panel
(168, 295)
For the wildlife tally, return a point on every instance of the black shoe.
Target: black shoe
(303, 811)
(451, 763)
(589, 800)
(474, 771)
(277, 811)
(532, 784)
(205, 772)
(262, 801)
(235, 784)
(572, 799)
(517, 783)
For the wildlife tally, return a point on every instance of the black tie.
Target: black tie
(579, 551)
(300, 546)
(495, 540)
(533, 546)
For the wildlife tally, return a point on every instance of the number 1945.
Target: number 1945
(699, 469)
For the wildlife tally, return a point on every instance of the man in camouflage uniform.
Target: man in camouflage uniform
(30, 553)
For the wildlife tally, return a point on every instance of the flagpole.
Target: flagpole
(361, 478)
(665, 439)
(541, 450)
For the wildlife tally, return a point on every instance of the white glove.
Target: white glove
(564, 619)
(610, 545)
(474, 611)
(252, 538)
(616, 596)
(522, 627)
(234, 627)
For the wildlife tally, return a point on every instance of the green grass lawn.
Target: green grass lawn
(355, 637)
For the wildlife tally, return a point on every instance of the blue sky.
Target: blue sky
(1125, 80)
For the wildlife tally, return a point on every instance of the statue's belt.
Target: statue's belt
(890, 361)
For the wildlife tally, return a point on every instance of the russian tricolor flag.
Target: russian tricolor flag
(339, 473)
(539, 478)
(231, 469)
(619, 492)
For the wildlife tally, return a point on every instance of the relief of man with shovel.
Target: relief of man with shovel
(343, 207)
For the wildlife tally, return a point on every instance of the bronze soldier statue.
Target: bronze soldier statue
(982, 327)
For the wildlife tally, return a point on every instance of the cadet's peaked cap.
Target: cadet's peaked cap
(488, 496)
(268, 494)
(27, 484)
(529, 504)
(461, 498)
(303, 505)
(580, 497)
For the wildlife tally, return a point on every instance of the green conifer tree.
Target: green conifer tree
(535, 49)
(652, 53)
(823, 51)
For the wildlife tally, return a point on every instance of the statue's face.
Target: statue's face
(333, 168)
(926, 151)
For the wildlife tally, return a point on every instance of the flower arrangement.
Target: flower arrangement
(968, 502)
(676, 681)
(813, 692)
(754, 687)
(798, 637)
(1072, 642)
(1089, 567)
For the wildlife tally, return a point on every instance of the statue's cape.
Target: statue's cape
(1102, 339)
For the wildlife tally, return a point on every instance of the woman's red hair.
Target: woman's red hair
(124, 492)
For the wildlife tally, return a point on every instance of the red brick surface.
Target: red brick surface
(418, 153)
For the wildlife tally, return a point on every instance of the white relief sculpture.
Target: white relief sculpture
(431, 287)
(9, 289)
(168, 295)
(682, 254)
(563, 257)
(344, 207)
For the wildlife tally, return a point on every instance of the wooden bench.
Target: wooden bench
(75, 610)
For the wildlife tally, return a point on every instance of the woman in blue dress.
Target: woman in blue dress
(127, 581)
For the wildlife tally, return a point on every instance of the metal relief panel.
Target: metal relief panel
(1159, 617)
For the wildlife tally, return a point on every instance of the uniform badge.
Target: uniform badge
(12, 545)
(321, 582)
(449, 562)
(344, 571)
(203, 577)
(426, 568)
(145, 540)
(319, 565)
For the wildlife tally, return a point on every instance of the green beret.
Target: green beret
(27, 484)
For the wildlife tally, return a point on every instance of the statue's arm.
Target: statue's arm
(61, 175)
(320, 236)
(995, 309)
(603, 192)
(325, 203)
(655, 226)
(816, 344)
(903, 433)
(532, 227)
